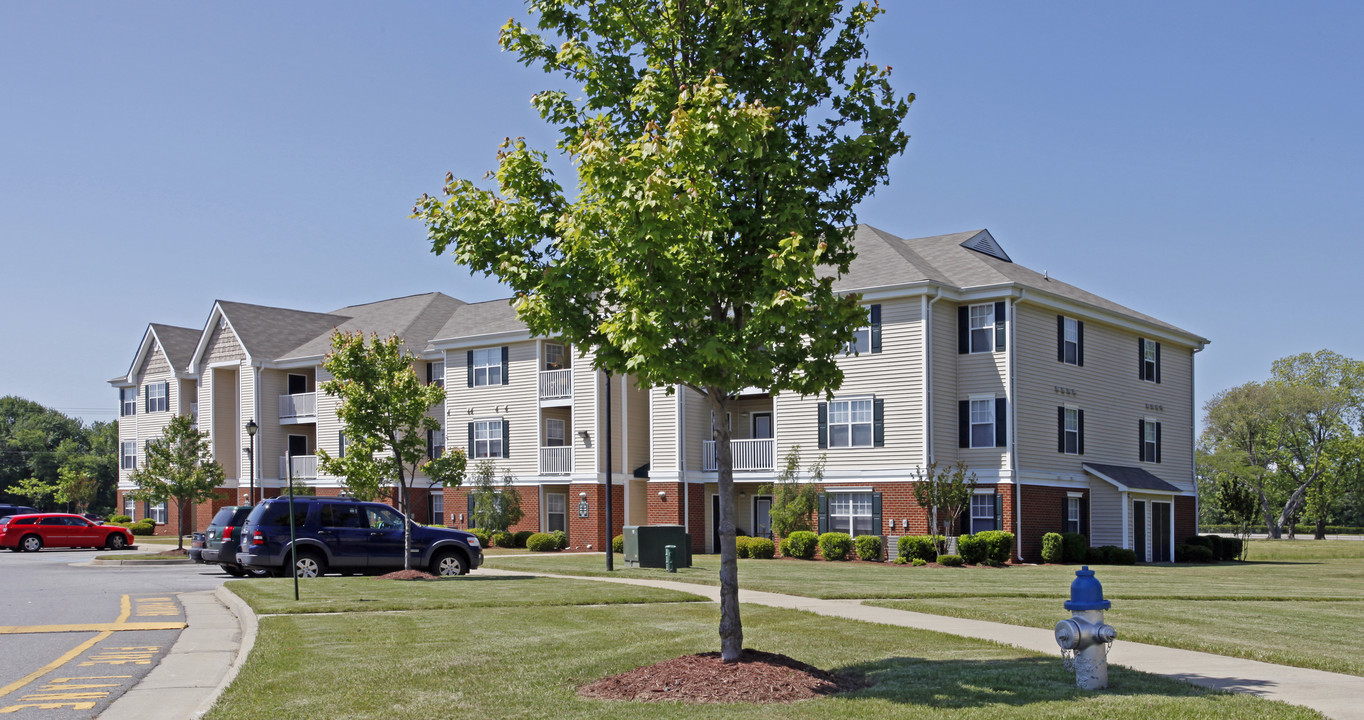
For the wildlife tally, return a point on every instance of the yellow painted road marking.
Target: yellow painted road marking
(90, 627)
(64, 659)
(49, 706)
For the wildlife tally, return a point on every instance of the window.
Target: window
(435, 443)
(556, 512)
(341, 515)
(983, 512)
(487, 438)
(1148, 357)
(554, 356)
(157, 397)
(554, 432)
(157, 512)
(127, 401)
(850, 423)
(982, 328)
(437, 508)
(340, 444)
(435, 373)
(851, 513)
(486, 367)
(1071, 429)
(1070, 334)
(130, 506)
(982, 423)
(1073, 514)
(1150, 441)
(383, 518)
(868, 337)
(128, 455)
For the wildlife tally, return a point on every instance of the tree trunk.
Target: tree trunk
(407, 521)
(731, 627)
(180, 541)
(1319, 533)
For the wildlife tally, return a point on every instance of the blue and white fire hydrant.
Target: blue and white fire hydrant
(1085, 638)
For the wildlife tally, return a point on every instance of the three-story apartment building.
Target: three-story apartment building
(966, 357)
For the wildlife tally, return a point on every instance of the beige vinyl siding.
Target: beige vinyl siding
(516, 403)
(617, 424)
(586, 385)
(741, 414)
(696, 415)
(1105, 514)
(637, 505)
(663, 430)
(223, 347)
(329, 426)
(150, 426)
(1108, 390)
(247, 403)
(637, 408)
(223, 386)
(945, 394)
(271, 440)
(894, 375)
(979, 376)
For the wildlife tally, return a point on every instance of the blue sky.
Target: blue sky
(1198, 162)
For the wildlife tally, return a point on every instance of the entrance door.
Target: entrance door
(762, 517)
(762, 426)
(1160, 531)
(297, 384)
(1139, 530)
(298, 445)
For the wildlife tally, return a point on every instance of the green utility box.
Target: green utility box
(644, 545)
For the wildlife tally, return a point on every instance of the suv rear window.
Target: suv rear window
(276, 514)
(223, 518)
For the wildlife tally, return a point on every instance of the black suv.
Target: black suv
(349, 536)
(221, 540)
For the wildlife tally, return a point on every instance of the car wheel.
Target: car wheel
(449, 564)
(116, 541)
(31, 543)
(233, 570)
(256, 572)
(310, 565)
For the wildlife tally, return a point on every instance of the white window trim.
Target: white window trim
(870, 423)
(990, 493)
(155, 402)
(971, 328)
(562, 426)
(502, 452)
(487, 367)
(437, 372)
(1148, 424)
(1070, 335)
(127, 402)
(851, 515)
(1078, 514)
(861, 342)
(437, 498)
(1067, 431)
(971, 416)
(1149, 355)
(124, 456)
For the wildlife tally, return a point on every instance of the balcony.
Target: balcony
(745, 455)
(556, 387)
(305, 467)
(556, 460)
(298, 408)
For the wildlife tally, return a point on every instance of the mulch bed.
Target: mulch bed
(758, 677)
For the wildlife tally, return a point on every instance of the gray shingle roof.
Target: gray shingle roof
(269, 333)
(483, 318)
(415, 318)
(178, 343)
(1134, 478)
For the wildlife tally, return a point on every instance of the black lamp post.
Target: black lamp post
(251, 428)
(610, 550)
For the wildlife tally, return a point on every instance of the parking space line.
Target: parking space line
(89, 627)
(64, 659)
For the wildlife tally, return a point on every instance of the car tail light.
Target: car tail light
(257, 538)
(227, 533)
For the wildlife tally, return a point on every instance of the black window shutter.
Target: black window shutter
(963, 330)
(469, 519)
(1061, 429)
(876, 328)
(964, 424)
(1084, 516)
(1141, 358)
(341, 444)
(823, 425)
(999, 511)
(471, 441)
(823, 513)
(505, 355)
(1060, 338)
(878, 422)
(146, 398)
(506, 439)
(1001, 422)
(469, 367)
(876, 513)
(1079, 343)
(1141, 440)
(1157, 363)
(999, 326)
(1080, 444)
(1157, 442)
(430, 441)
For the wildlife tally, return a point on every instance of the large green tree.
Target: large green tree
(384, 412)
(40, 443)
(721, 149)
(179, 466)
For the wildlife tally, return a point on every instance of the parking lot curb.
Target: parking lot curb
(247, 622)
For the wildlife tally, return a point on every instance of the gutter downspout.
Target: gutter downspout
(928, 373)
(1013, 420)
(1193, 444)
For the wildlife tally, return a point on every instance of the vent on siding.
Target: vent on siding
(982, 242)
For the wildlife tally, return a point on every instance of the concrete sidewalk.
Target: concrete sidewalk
(1333, 694)
(220, 632)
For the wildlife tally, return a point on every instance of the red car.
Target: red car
(31, 533)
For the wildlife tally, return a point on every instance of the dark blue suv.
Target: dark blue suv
(348, 536)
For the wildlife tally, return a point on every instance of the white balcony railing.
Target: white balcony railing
(556, 384)
(556, 460)
(305, 467)
(744, 454)
(297, 406)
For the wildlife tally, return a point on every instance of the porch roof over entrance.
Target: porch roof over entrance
(1130, 478)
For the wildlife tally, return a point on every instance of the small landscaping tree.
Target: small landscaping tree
(496, 508)
(34, 490)
(794, 501)
(179, 467)
(944, 493)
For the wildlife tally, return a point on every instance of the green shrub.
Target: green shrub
(1073, 547)
(741, 546)
(761, 549)
(1052, 548)
(119, 519)
(868, 547)
(950, 560)
(785, 547)
(1200, 540)
(919, 562)
(1231, 548)
(542, 542)
(972, 548)
(560, 538)
(1217, 550)
(917, 546)
(835, 545)
(1094, 556)
(482, 536)
(503, 539)
(144, 528)
(800, 544)
(1193, 553)
(999, 545)
(1115, 555)
(900, 560)
(520, 536)
(618, 544)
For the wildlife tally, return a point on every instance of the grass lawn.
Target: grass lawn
(1293, 602)
(527, 661)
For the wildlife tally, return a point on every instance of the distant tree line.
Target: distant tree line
(55, 462)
